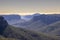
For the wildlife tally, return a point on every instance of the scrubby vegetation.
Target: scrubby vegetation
(23, 34)
(8, 32)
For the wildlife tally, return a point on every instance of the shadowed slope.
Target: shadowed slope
(3, 24)
(23, 34)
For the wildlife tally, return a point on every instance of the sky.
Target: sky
(26, 7)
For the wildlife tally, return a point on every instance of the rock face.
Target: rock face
(12, 19)
(47, 19)
(3, 24)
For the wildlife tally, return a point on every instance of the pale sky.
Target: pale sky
(29, 6)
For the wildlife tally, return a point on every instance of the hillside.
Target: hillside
(38, 21)
(8, 32)
(56, 32)
(8, 39)
(22, 34)
(51, 27)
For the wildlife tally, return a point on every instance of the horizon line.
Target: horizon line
(26, 13)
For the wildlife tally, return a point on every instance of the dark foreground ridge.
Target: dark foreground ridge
(3, 24)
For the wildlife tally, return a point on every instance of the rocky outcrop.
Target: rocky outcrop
(3, 24)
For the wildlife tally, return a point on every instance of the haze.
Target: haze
(26, 7)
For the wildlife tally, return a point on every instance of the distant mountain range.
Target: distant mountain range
(11, 19)
(8, 32)
(38, 27)
(32, 22)
(35, 21)
(27, 17)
